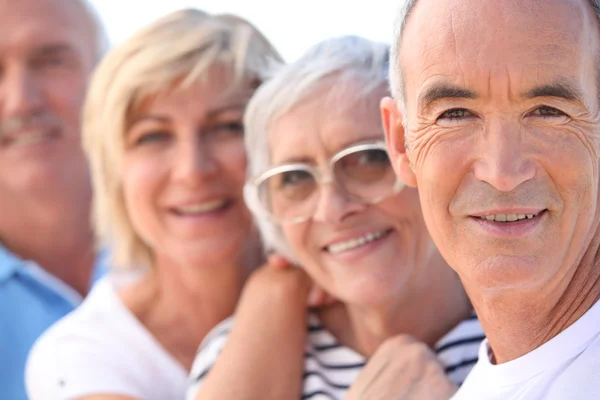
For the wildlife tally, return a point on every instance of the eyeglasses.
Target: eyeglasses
(289, 193)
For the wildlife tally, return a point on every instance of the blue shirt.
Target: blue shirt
(31, 300)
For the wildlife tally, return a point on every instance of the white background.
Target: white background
(291, 25)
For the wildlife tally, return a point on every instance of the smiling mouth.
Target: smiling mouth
(508, 218)
(346, 245)
(198, 209)
(29, 138)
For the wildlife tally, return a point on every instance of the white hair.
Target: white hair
(101, 42)
(395, 73)
(333, 65)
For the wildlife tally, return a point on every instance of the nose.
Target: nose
(21, 93)
(504, 161)
(193, 162)
(334, 206)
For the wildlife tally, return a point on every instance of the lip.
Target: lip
(365, 250)
(12, 139)
(510, 230)
(193, 225)
(172, 205)
(352, 236)
(523, 210)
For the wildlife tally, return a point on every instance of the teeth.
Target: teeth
(353, 243)
(201, 208)
(24, 140)
(508, 217)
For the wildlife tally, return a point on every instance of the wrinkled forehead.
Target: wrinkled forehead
(335, 116)
(464, 41)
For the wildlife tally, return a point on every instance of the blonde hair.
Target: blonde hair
(177, 50)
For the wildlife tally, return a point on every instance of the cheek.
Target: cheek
(402, 207)
(295, 235)
(299, 237)
(65, 97)
(441, 174)
(141, 181)
(232, 158)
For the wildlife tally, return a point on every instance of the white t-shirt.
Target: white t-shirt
(101, 348)
(330, 368)
(566, 367)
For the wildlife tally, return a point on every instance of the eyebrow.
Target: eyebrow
(165, 119)
(149, 118)
(54, 49)
(221, 110)
(442, 91)
(561, 90)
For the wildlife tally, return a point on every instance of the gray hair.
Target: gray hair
(333, 65)
(395, 74)
(101, 42)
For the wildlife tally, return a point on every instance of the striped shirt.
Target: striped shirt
(330, 368)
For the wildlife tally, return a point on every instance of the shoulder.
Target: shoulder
(207, 354)
(9, 264)
(83, 352)
(210, 348)
(581, 374)
(459, 349)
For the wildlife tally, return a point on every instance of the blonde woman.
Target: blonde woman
(163, 131)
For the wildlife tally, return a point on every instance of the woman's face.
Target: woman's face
(183, 173)
(329, 246)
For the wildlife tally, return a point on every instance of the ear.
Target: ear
(392, 118)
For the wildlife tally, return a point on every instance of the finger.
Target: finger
(329, 300)
(278, 261)
(315, 297)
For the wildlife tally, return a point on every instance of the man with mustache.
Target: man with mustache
(496, 119)
(48, 48)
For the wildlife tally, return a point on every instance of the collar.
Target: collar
(9, 264)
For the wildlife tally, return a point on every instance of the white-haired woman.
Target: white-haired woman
(163, 130)
(326, 197)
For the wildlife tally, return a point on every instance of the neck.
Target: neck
(55, 235)
(426, 312)
(518, 323)
(192, 298)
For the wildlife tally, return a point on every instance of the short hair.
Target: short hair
(395, 74)
(174, 52)
(332, 65)
(101, 42)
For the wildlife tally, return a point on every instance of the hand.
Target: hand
(402, 368)
(279, 280)
(317, 297)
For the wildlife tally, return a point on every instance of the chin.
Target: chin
(369, 293)
(506, 272)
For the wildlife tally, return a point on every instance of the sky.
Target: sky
(291, 25)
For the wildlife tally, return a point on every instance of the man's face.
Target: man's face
(46, 54)
(503, 135)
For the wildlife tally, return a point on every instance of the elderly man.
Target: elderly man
(47, 50)
(496, 119)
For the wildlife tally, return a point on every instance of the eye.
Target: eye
(52, 61)
(454, 115)
(375, 156)
(226, 130)
(291, 178)
(547, 112)
(151, 137)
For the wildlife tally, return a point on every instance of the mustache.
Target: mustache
(12, 126)
(481, 196)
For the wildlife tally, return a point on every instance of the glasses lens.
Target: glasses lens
(287, 194)
(366, 174)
